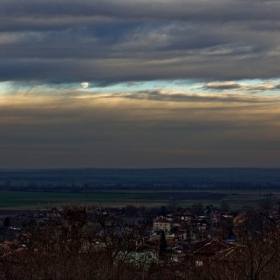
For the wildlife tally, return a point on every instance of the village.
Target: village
(141, 236)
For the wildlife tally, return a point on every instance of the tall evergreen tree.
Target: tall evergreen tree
(162, 243)
(7, 222)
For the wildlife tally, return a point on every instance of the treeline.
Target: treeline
(75, 180)
(92, 187)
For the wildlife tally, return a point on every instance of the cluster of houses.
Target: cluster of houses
(192, 238)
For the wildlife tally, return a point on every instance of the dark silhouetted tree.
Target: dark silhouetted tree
(162, 244)
(7, 222)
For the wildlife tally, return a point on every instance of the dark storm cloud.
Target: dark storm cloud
(112, 41)
(175, 10)
(113, 70)
(157, 95)
(244, 87)
(222, 86)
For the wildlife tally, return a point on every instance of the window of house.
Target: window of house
(199, 263)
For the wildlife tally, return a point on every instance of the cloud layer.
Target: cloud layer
(145, 129)
(139, 83)
(113, 41)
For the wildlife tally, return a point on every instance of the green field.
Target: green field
(34, 200)
(31, 189)
(43, 200)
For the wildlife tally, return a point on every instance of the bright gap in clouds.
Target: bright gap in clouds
(84, 84)
(269, 87)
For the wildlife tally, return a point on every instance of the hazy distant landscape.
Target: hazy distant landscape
(179, 177)
(150, 187)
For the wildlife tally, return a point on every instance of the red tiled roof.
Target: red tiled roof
(212, 247)
(162, 219)
(171, 243)
(230, 253)
(183, 213)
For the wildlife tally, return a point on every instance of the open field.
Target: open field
(42, 200)
(139, 177)
(32, 189)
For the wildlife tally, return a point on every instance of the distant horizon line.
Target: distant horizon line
(126, 168)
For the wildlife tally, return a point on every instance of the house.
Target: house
(183, 216)
(162, 223)
(207, 249)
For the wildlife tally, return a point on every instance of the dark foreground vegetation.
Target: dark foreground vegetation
(79, 242)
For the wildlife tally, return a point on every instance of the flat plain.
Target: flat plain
(40, 189)
(42, 200)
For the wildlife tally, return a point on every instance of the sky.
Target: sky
(139, 84)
